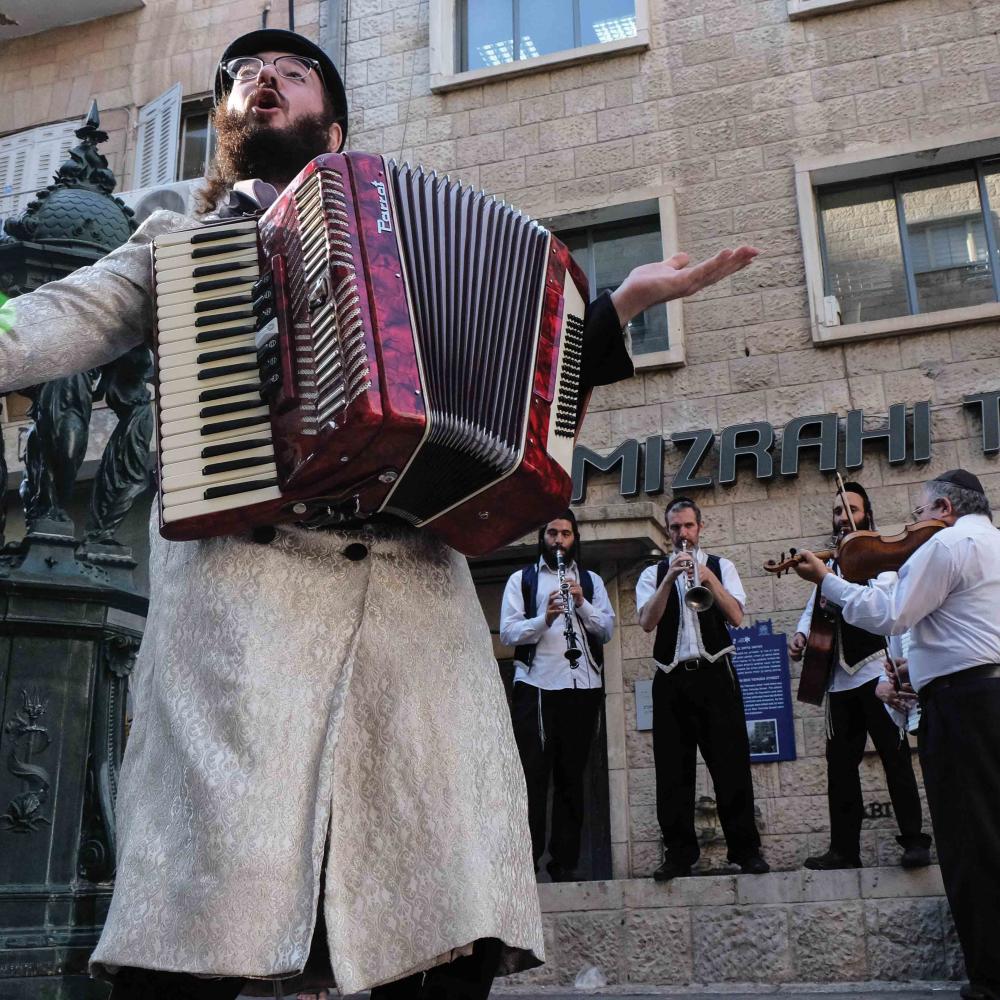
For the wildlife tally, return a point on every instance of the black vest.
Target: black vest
(855, 645)
(529, 593)
(715, 637)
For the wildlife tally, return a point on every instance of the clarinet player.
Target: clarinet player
(559, 628)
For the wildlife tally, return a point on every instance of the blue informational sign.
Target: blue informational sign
(761, 662)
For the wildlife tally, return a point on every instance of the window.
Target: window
(28, 162)
(473, 40)
(911, 244)
(489, 28)
(606, 254)
(197, 139)
(905, 238)
(608, 242)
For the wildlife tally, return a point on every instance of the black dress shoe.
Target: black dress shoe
(671, 869)
(754, 866)
(831, 861)
(916, 857)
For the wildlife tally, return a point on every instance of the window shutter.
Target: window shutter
(156, 148)
(28, 161)
(51, 149)
(14, 153)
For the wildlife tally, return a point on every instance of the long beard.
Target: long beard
(248, 149)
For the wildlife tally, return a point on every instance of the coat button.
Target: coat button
(356, 551)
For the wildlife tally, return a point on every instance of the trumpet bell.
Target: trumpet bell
(698, 599)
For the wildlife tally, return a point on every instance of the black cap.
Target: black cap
(280, 40)
(962, 479)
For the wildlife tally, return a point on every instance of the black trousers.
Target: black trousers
(853, 716)
(702, 710)
(467, 978)
(554, 732)
(959, 741)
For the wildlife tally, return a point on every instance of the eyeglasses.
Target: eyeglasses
(917, 511)
(295, 68)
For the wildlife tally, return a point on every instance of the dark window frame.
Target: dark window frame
(193, 109)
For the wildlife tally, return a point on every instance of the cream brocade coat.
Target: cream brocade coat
(286, 697)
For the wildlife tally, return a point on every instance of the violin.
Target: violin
(862, 555)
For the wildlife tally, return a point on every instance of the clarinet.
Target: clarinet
(569, 633)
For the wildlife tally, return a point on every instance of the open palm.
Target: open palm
(675, 278)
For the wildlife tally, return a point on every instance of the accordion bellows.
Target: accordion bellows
(382, 341)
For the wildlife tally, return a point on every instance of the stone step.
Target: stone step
(873, 924)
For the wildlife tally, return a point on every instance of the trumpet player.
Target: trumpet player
(688, 600)
(558, 617)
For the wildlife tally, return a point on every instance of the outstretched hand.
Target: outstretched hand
(675, 278)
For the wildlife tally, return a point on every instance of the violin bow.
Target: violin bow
(842, 493)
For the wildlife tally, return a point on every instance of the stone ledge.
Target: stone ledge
(882, 883)
(801, 886)
(563, 897)
(699, 890)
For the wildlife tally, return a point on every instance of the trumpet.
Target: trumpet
(696, 596)
(573, 651)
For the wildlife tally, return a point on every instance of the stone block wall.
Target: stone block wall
(815, 927)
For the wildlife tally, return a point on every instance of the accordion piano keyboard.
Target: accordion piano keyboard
(216, 450)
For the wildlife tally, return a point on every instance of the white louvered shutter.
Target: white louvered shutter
(156, 147)
(50, 150)
(28, 161)
(14, 153)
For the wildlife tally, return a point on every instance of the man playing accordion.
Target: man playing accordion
(321, 752)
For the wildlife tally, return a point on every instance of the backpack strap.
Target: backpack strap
(529, 595)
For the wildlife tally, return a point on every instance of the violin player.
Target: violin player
(948, 595)
(854, 712)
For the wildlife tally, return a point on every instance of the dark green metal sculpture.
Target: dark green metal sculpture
(70, 619)
(78, 215)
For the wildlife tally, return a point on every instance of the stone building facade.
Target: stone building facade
(852, 142)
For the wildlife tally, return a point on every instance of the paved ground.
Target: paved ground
(838, 991)
(853, 991)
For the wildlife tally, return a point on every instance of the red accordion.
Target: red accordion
(380, 341)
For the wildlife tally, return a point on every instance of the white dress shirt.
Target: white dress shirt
(871, 669)
(550, 669)
(947, 594)
(688, 647)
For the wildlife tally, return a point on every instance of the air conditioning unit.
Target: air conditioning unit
(176, 197)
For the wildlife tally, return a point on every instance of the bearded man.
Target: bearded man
(854, 712)
(321, 752)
